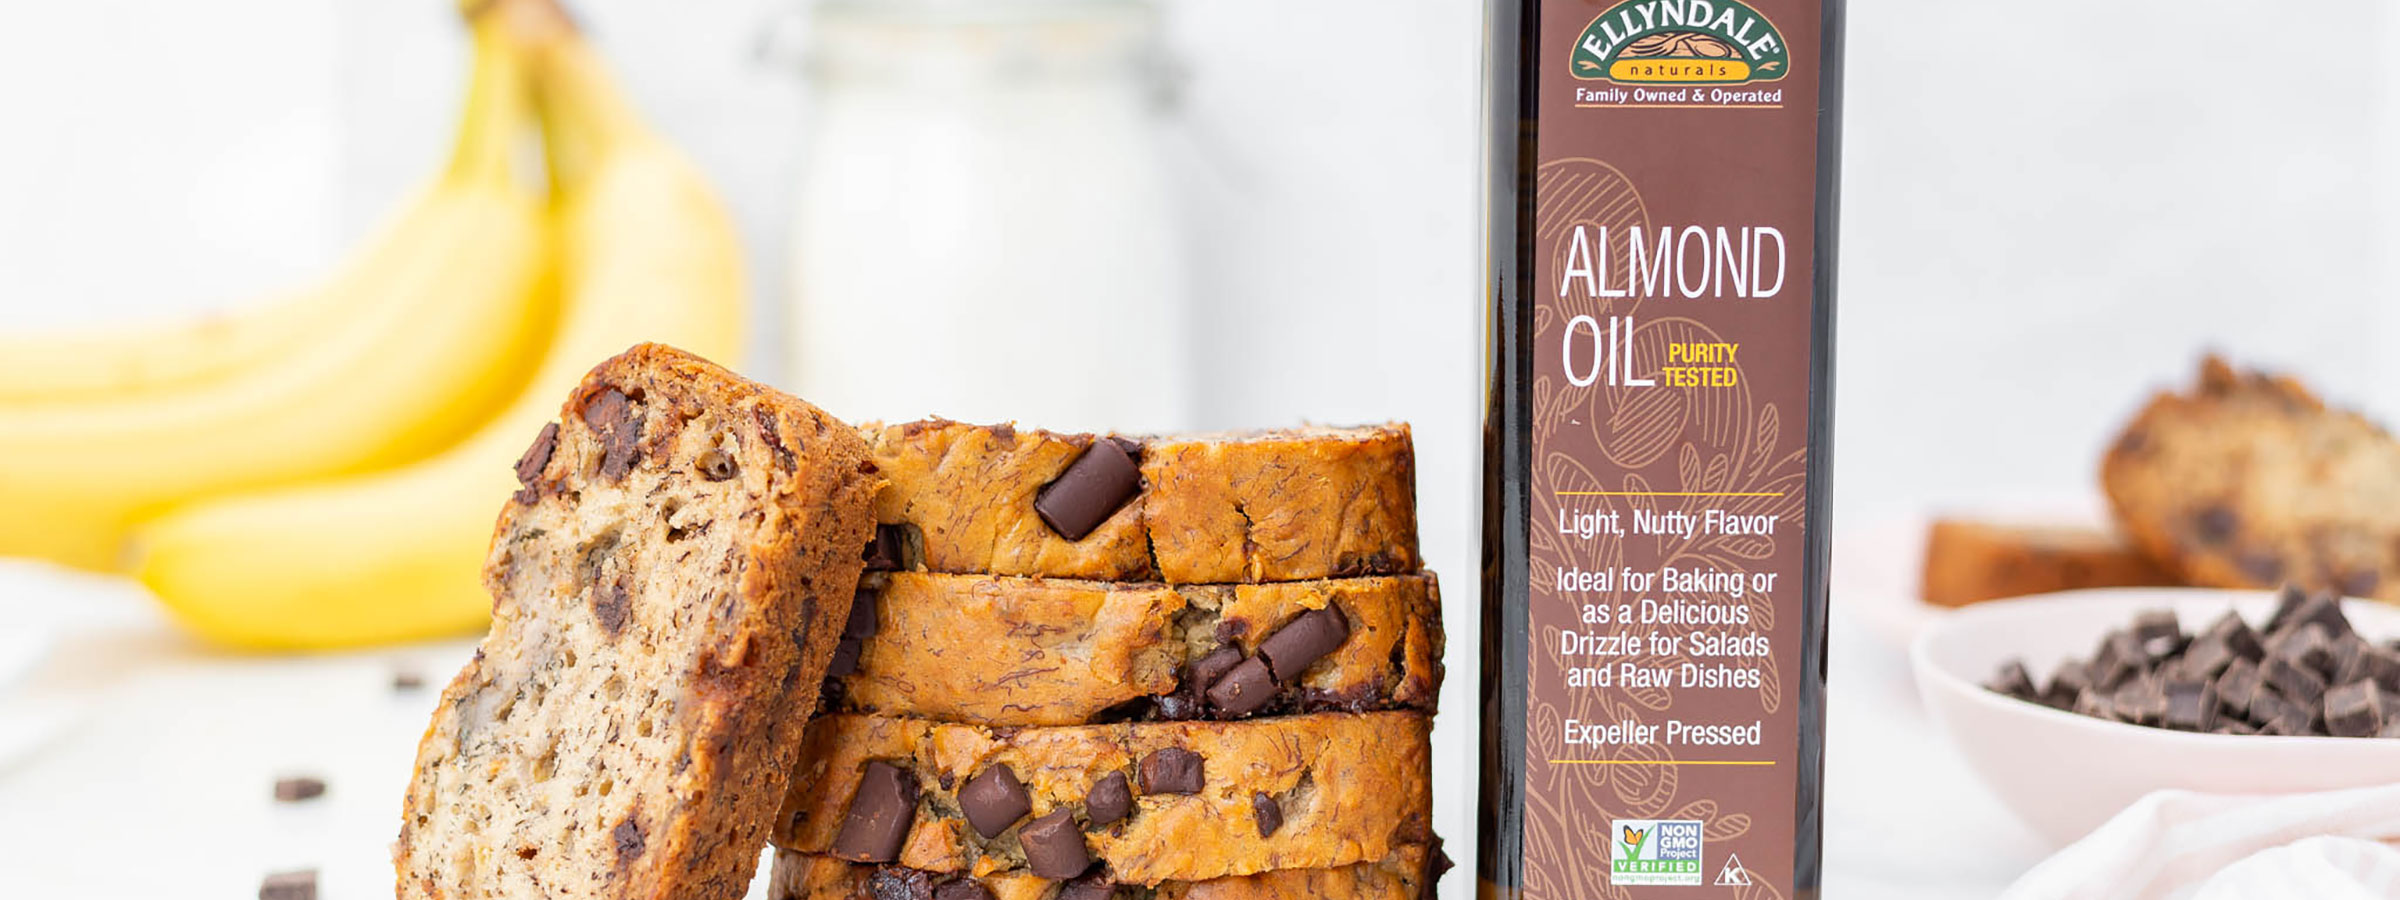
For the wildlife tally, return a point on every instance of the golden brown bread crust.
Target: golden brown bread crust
(1968, 561)
(667, 588)
(1351, 788)
(1401, 876)
(2249, 481)
(997, 650)
(1283, 505)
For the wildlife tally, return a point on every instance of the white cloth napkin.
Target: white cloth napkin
(2179, 845)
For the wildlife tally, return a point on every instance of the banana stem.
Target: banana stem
(496, 99)
(583, 111)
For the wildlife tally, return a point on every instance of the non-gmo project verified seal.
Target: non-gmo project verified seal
(1655, 852)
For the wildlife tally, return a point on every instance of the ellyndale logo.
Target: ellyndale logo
(1681, 42)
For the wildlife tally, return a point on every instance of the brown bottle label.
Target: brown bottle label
(1674, 229)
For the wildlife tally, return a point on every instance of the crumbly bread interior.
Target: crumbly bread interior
(668, 586)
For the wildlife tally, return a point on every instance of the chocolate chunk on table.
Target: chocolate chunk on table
(1093, 488)
(298, 884)
(881, 813)
(298, 788)
(406, 680)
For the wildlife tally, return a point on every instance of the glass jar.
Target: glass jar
(985, 229)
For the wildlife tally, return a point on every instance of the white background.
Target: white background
(2050, 207)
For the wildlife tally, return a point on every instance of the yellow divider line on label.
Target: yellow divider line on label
(1662, 762)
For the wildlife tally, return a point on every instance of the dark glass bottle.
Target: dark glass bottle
(1662, 178)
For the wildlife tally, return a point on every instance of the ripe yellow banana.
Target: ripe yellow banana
(649, 254)
(131, 361)
(412, 350)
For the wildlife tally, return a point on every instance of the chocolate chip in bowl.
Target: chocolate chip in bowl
(2103, 705)
(2321, 678)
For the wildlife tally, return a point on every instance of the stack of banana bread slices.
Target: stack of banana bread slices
(1084, 667)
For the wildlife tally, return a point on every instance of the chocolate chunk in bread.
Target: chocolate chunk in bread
(1971, 561)
(2248, 480)
(1109, 800)
(882, 810)
(1093, 488)
(1054, 846)
(1266, 813)
(994, 800)
(1350, 788)
(1172, 770)
(1000, 650)
(1407, 873)
(1244, 690)
(1283, 505)
(628, 725)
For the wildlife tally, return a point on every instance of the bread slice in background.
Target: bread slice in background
(1971, 561)
(668, 586)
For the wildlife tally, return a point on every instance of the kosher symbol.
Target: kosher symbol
(1733, 874)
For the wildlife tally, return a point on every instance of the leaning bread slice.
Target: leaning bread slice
(667, 589)
(1279, 505)
(1408, 874)
(1141, 803)
(1001, 650)
(2249, 481)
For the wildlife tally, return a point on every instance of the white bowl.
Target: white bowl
(2065, 774)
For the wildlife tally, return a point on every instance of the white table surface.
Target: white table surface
(125, 735)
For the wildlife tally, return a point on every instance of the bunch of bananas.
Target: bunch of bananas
(323, 471)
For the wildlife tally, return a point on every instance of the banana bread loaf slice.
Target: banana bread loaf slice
(1969, 561)
(1001, 650)
(1283, 505)
(1408, 874)
(2250, 481)
(667, 588)
(1142, 803)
